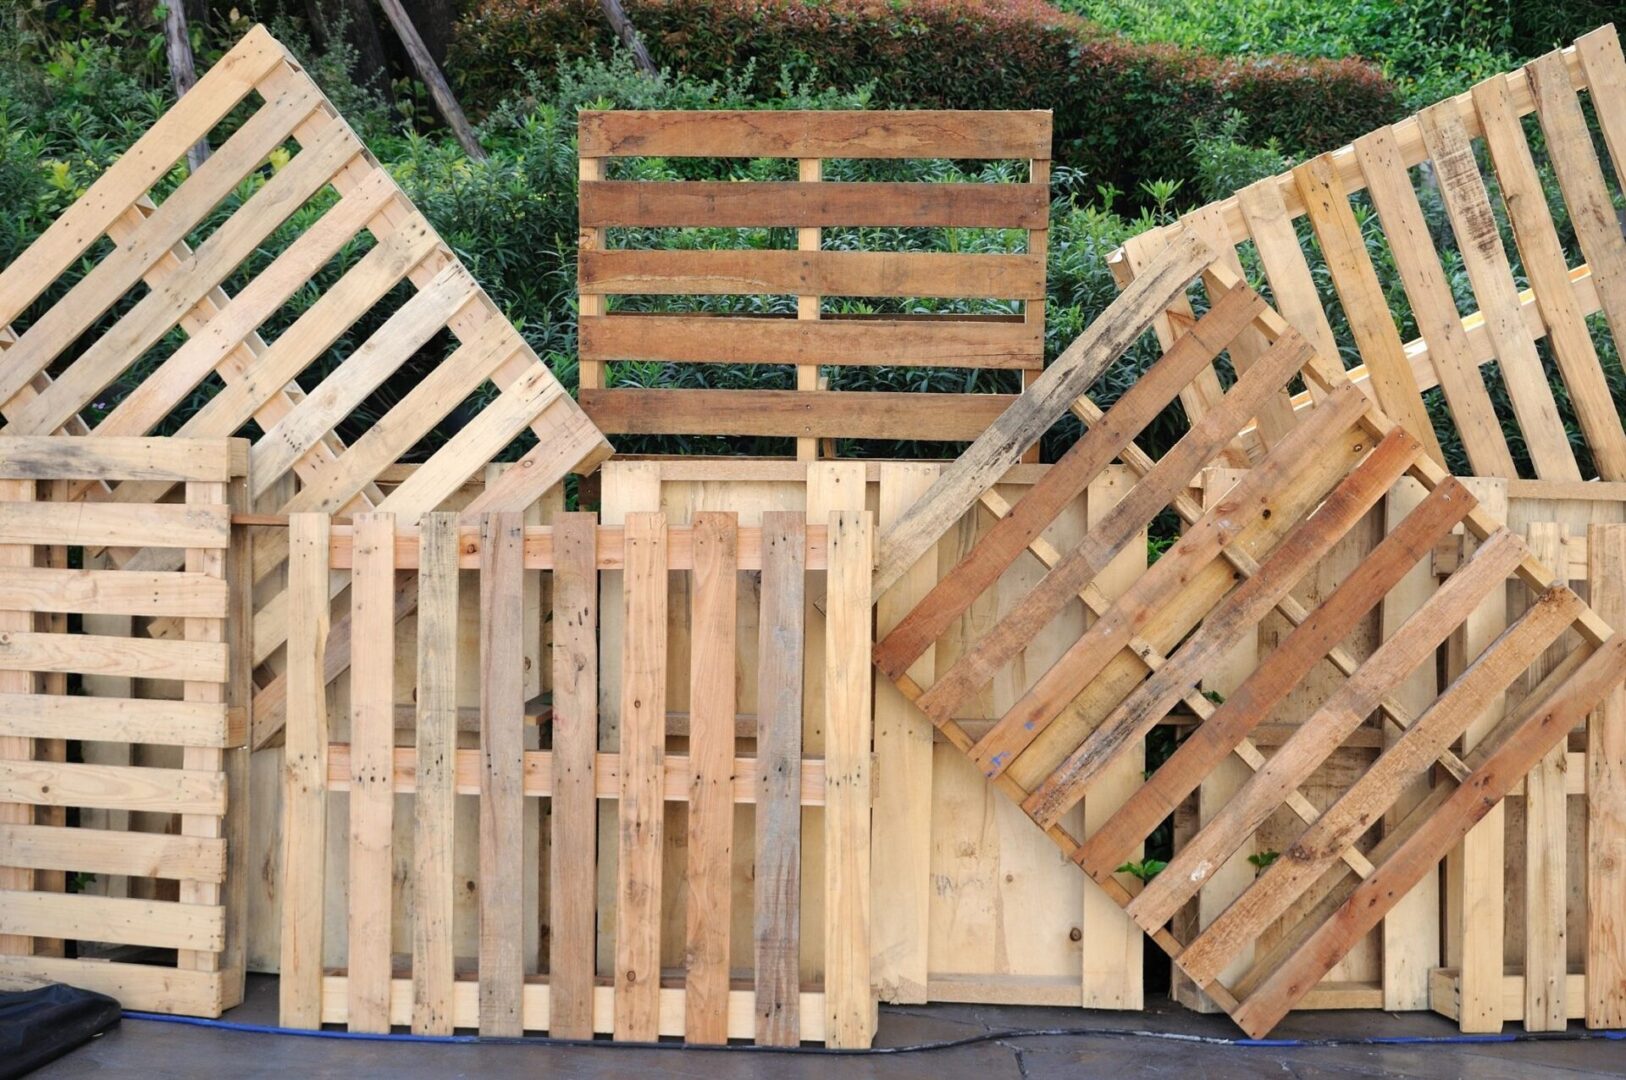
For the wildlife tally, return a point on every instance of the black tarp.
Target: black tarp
(38, 1026)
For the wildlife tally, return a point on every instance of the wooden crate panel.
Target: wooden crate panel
(616, 281)
(1531, 299)
(156, 788)
(536, 768)
(1321, 472)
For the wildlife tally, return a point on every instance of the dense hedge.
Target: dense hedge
(1124, 111)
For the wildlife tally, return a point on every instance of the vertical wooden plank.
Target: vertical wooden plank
(808, 170)
(777, 931)
(55, 682)
(1033, 310)
(711, 756)
(1282, 258)
(1411, 930)
(372, 770)
(627, 486)
(848, 1002)
(1606, 800)
(502, 758)
(1546, 824)
(434, 807)
(1476, 888)
(831, 486)
(575, 738)
(590, 373)
(304, 799)
(14, 748)
(1113, 946)
(212, 563)
(1394, 384)
(902, 843)
(643, 752)
(1478, 239)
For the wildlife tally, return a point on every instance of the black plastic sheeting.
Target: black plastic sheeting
(39, 1026)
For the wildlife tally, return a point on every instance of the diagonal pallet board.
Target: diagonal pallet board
(128, 288)
(1321, 469)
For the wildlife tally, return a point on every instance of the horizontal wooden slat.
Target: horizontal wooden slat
(539, 541)
(48, 457)
(921, 133)
(112, 525)
(112, 592)
(535, 1000)
(94, 654)
(158, 923)
(943, 341)
(113, 787)
(98, 851)
(817, 414)
(130, 720)
(723, 204)
(822, 273)
(606, 772)
(135, 986)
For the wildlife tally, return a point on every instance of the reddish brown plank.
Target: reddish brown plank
(797, 133)
(944, 341)
(723, 204)
(795, 413)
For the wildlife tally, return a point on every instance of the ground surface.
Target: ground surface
(148, 1049)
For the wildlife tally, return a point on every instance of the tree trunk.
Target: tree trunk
(435, 21)
(430, 73)
(182, 70)
(628, 34)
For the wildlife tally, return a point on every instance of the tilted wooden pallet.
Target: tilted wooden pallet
(1321, 470)
(508, 991)
(809, 340)
(187, 792)
(385, 317)
(1416, 164)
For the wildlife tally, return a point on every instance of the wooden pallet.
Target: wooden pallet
(809, 413)
(1322, 470)
(508, 992)
(1568, 281)
(190, 851)
(150, 296)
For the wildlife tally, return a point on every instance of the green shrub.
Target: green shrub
(1123, 112)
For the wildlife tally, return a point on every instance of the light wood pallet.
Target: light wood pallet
(171, 311)
(813, 271)
(1323, 470)
(1397, 170)
(508, 992)
(193, 926)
